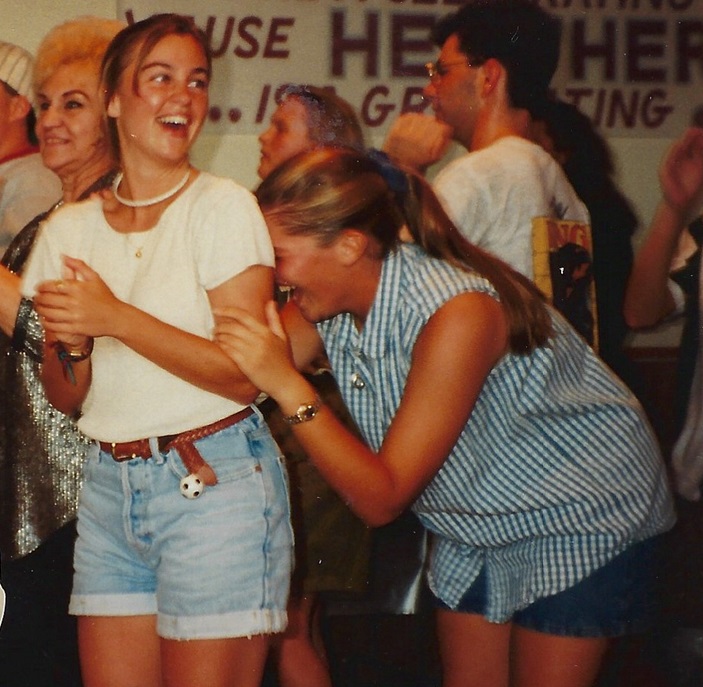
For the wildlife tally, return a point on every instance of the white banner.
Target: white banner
(634, 66)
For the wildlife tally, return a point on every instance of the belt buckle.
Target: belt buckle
(120, 458)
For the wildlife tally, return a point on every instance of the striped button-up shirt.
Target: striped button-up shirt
(556, 471)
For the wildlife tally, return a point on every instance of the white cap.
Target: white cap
(16, 69)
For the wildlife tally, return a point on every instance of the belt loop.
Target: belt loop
(155, 451)
(112, 450)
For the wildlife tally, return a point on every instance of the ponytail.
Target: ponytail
(325, 191)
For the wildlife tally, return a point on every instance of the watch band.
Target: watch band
(305, 412)
(68, 356)
(80, 354)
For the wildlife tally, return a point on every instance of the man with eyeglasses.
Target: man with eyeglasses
(496, 61)
(27, 187)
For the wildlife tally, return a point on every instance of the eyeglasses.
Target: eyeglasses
(436, 70)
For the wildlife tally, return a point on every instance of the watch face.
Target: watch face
(306, 412)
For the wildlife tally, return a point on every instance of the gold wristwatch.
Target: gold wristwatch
(305, 412)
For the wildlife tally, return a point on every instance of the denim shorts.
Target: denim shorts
(212, 567)
(619, 598)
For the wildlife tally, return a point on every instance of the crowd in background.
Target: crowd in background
(227, 410)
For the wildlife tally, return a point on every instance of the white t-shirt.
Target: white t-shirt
(209, 234)
(27, 188)
(493, 194)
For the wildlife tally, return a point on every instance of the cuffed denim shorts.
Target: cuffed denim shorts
(212, 567)
(619, 598)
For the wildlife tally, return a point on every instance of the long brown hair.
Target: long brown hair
(324, 191)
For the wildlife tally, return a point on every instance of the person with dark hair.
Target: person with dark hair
(531, 465)
(495, 65)
(572, 139)
(41, 450)
(27, 187)
(183, 556)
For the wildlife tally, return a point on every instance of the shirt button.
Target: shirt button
(357, 382)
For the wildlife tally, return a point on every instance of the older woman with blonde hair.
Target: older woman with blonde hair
(41, 451)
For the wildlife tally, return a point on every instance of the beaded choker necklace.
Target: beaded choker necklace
(148, 201)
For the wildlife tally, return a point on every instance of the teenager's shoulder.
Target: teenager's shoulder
(76, 213)
(211, 185)
(428, 281)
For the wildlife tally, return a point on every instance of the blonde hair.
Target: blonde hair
(322, 192)
(80, 40)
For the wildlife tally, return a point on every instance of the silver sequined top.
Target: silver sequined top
(41, 450)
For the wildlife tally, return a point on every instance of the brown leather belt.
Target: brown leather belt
(140, 448)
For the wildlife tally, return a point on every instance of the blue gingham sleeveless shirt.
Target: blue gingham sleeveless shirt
(556, 472)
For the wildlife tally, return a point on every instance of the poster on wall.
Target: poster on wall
(634, 66)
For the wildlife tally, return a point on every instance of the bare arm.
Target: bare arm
(305, 342)
(66, 387)
(648, 299)
(76, 309)
(457, 349)
(9, 300)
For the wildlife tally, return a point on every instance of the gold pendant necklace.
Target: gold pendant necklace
(137, 250)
